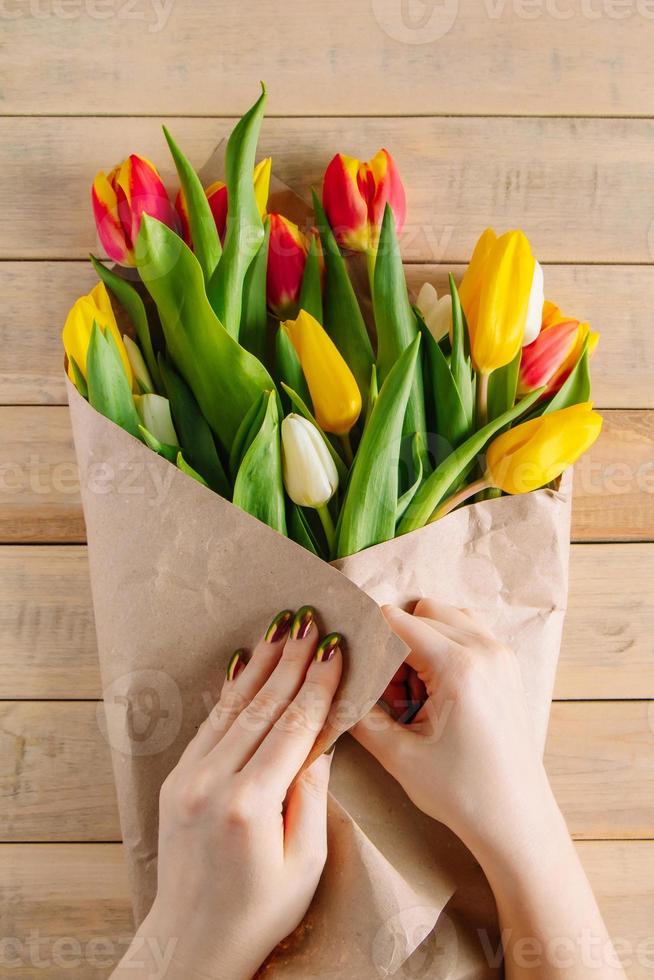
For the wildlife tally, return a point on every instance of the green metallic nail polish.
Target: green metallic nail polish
(279, 626)
(236, 665)
(327, 647)
(304, 617)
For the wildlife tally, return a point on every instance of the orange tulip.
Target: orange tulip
(355, 195)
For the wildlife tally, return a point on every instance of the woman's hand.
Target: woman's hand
(470, 759)
(469, 756)
(242, 841)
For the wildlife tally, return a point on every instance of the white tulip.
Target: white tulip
(437, 313)
(138, 365)
(154, 412)
(535, 308)
(310, 476)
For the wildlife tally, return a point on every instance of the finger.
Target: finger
(442, 612)
(285, 748)
(385, 739)
(244, 678)
(305, 820)
(430, 650)
(252, 724)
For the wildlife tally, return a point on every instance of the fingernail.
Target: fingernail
(279, 626)
(328, 647)
(236, 665)
(302, 622)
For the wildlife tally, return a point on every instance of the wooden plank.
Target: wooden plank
(48, 648)
(528, 57)
(39, 499)
(56, 782)
(617, 300)
(79, 892)
(563, 180)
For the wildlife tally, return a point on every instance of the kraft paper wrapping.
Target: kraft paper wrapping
(181, 577)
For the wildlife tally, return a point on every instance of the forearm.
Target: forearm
(551, 925)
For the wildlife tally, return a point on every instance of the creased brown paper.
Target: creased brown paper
(181, 577)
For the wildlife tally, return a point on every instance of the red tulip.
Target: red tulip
(287, 256)
(355, 195)
(550, 358)
(121, 198)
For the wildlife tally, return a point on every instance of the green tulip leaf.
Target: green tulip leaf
(300, 531)
(134, 306)
(460, 360)
(108, 387)
(78, 378)
(202, 224)
(193, 430)
(369, 510)
(244, 233)
(225, 378)
(300, 405)
(258, 489)
(576, 388)
(406, 498)
(185, 468)
(161, 448)
(343, 318)
(435, 487)
(395, 320)
(311, 291)
(503, 387)
(373, 392)
(247, 430)
(288, 369)
(451, 421)
(253, 334)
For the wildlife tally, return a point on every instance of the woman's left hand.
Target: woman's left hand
(242, 841)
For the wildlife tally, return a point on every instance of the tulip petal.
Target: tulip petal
(107, 223)
(344, 205)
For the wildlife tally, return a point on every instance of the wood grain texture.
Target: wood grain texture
(56, 782)
(564, 181)
(79, 893)
(514, 57)
(48, 647)
(39, 491)
(37, 295)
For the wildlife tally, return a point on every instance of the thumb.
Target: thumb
(306, 812)
(385, 739)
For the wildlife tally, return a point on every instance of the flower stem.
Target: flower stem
(371, 258)
(328, 525)
(482, 399)
(346, 445)
(459, 497)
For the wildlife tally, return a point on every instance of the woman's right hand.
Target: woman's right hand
(469, 757)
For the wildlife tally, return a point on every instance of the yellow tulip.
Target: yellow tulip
(497, 329)
(537, 452)
(334, 392)
(473, 277)
(76, 335)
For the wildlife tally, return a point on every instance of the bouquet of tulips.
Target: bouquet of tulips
(250, 366)
(317, 434)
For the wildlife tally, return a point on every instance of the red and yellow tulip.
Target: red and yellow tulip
(76, 334)
(120, 199)
(355, 195)
(287, 257)
(549, 360)
(217, 197)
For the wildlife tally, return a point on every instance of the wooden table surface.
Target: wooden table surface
(502, 112)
